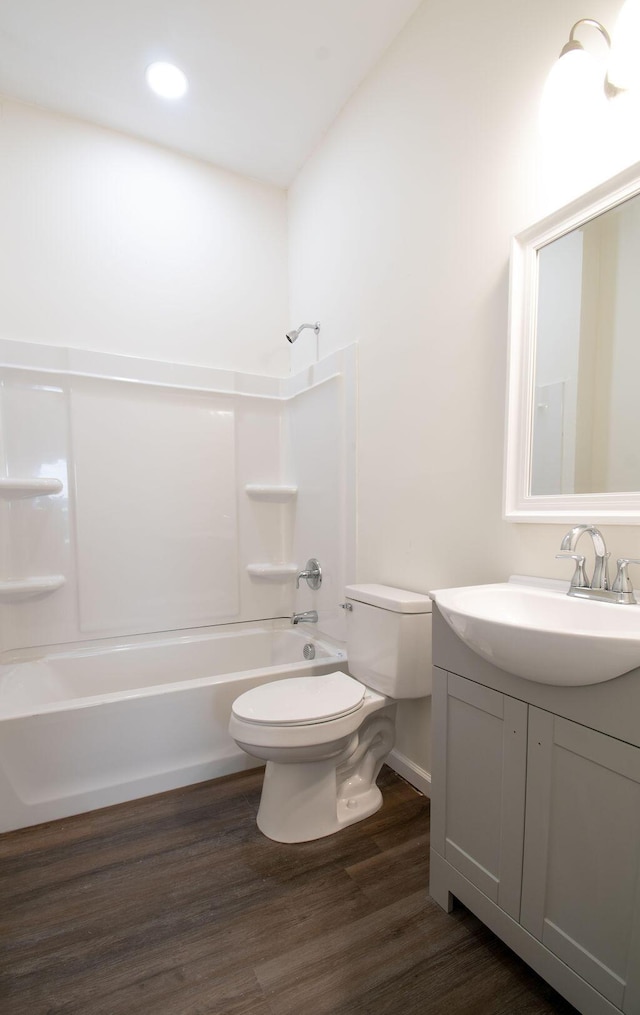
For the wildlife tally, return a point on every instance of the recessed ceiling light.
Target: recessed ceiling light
(166, 80)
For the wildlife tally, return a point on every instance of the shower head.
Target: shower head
(293, 335)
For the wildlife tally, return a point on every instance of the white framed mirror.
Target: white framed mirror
(573, 410)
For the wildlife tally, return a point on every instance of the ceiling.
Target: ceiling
(267, 77)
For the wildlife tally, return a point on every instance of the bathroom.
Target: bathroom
(393, 230)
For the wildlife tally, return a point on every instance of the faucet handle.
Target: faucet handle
(312, 574)
(579, 579)
(622, 582)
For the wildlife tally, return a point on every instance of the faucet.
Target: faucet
(310, 617)
(600, 578)
(599, 588)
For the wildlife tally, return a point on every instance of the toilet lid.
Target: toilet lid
(299, 701)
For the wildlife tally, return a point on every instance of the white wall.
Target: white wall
(400, 227)
(113, 244)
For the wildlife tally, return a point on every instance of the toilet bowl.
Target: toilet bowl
(324, 739)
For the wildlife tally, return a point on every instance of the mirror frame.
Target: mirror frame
(519, 504)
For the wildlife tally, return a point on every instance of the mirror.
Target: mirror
(573, 418)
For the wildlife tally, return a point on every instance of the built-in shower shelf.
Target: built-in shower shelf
(273, 572)
(16, 590)
(271, 491)
(15, 488)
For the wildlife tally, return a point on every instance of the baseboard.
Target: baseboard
(416, 776)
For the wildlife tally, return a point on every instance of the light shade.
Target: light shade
(166, 80)
(573, 95)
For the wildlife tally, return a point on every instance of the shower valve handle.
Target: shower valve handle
(312, 574)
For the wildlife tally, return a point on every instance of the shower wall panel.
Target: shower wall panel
(152, 529)
(36, 533)
(156, 524)
(320, 441)
(157, 531)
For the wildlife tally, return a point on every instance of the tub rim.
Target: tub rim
(335, 658)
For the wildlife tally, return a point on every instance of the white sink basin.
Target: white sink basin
(542, 634)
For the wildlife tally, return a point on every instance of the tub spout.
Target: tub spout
(310, 617)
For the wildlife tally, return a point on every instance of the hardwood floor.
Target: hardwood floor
(177, 905)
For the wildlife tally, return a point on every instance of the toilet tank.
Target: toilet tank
(389, 640)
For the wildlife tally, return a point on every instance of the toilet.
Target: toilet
(325, 738)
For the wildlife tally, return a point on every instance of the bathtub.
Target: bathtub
(99, 724)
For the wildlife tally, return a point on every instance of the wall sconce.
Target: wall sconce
(575, 50)
(579, 84)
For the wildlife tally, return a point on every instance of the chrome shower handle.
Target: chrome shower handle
(312, 574)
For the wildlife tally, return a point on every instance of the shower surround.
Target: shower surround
(140, 498)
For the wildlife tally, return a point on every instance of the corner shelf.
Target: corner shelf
(18, 488)
(271, 491)
(273, 572)
(17, 590)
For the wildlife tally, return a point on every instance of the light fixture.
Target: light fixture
(622, 67)
(166, 80)
(573, 49)
(573, 95)
(580, 83)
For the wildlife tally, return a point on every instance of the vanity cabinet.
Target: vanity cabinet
(580, 878)
(477, 817)
(536, 828)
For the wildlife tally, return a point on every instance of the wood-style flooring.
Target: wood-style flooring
(177, 905)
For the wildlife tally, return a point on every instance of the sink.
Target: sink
(541, 634)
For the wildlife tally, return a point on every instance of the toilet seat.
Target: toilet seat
(251, 729)
(300, 701)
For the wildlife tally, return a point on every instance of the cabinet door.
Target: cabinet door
(581, 876)
(479, 764)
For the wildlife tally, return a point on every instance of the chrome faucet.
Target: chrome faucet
(600, 579)
(599, 588)
(310, 617)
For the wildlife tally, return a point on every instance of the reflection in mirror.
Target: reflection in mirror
(587, 358)
(572, 447)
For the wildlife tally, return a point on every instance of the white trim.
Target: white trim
(519, 506)
(59, 361)
(414, 774)
(65, 360)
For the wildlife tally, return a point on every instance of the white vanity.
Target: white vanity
(536, 796)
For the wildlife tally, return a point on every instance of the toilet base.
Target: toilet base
(305, 801)
(292, 812)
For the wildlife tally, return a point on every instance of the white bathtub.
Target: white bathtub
(97, 725)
